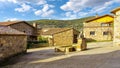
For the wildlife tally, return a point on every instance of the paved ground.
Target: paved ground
(98, 55)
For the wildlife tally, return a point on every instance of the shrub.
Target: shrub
(40, 38)
(41, 41)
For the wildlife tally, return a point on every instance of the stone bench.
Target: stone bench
(67, 49)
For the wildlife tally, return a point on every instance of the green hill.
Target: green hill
(76, 23)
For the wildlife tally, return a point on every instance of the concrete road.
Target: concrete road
(98, 55)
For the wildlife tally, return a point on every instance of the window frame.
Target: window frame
(92, 33)
(105, 33)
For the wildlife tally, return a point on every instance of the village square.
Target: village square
(95, 45)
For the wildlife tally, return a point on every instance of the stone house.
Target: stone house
(99, 28)
(12, 42)
(22, 26)
(116, 13)
(60, 36)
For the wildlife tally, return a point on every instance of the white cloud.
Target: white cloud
(70, 15)
(11, 19)
(46, 11)
(28, 5)
(82, 14)
(24, 8)
(38, 12)
(14, 1)
(77, 7)
(2, 0)
(101, 8)
(72, 5)
(45, 7)
(41, 2)
(11, 1)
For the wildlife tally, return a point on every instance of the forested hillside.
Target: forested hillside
(76, 23)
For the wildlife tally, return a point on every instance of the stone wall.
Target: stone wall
(63, 38)
(95, 24)
(23, 27)
(11, 45)
(99, 26)
(117, 28)
(91, 24)
(98, 33)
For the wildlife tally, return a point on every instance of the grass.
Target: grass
(38, 44)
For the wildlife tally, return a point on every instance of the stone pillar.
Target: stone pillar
(50, 41)
(78, 47)
(84, 44)
(66, 50)
(116, 40)
(35, 25)
(117, 30)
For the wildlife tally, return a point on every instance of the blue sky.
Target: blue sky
(54, 9)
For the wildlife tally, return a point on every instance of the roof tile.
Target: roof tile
(51, 31)
(10, 31)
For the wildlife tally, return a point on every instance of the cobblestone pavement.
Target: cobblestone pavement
(98, 55)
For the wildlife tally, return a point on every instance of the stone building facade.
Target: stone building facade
(60, 36)
(116, 13)
(99, 28)
(23, 27)
(11, 42)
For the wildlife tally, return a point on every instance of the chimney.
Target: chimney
(35, 24)
(96, 15)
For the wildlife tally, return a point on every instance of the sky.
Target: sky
(54, 9)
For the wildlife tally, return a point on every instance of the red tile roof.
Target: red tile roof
(6, 30)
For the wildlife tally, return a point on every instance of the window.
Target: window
(1, 45)
(24, 31)
(105, 33)
(75, 39)
(92, 32)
